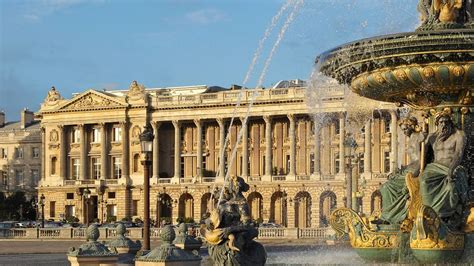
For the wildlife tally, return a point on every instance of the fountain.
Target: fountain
(430, 71)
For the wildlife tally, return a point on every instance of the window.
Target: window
(76, 136)
(337, 127)
(361, 163)
(135, 208)
(288, 163)
(52, 209)
(111, 210)
(19, 178)
(337, 163)
(35, 152)
(117, 162)
(386, 162)
(95, 168)
(95, 135)
(111, 195)
(136, 162)
(311, 163)
(4, 153)
(4, 178)
(75, 169)
(386, 122)
(19, 152)
(54, 162)
(70, 211)
(35, 176)
(69, 195)
(117, 134)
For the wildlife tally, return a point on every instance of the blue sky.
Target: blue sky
(80, 44)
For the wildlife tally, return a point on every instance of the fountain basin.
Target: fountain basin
(416, 68)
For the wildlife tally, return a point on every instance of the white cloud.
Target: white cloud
(206, 16)
(37, 9)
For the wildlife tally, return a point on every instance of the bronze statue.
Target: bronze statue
(394, 191)
(229, 231)
(443, 183)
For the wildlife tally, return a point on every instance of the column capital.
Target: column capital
(291, 117)
(156, 124)
(60, 126)
(198, 122)
(176, 123)
(220, 121)
(102, 124)
(267, 119)
(80, 126)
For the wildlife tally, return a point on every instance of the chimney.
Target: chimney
(27, 118)
(235, 87)
(2, 119)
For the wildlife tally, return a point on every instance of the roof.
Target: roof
(16, 125)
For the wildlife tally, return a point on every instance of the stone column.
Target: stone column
(198, 124)
(62, 152)
(291, 118)
(368, 149)
(103, 151)
(268, 148)
(83, 153)
(156, 150)
(245, 149)
(317, 152)
(393, 141)
(221, 176)
(177, 151)
(125, 151)
(342, 155)
(43, 156)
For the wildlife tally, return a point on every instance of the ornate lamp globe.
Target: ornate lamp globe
(146, 139)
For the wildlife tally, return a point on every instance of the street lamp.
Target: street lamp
(146, 143)
(87, 196)
(349, 145)
(41, 203)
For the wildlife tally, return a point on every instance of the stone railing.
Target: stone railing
(231, 96)
(137, 233)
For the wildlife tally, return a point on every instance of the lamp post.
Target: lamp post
(349, 145)
(146, 142)
(87, 195)
(41, 203)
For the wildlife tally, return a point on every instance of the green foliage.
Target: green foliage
(126, 219)
(16, 207)
(187, 220)
(72, 219)
(138, 220)
(111, 219)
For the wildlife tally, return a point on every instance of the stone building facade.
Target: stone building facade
(296, 175)
(20, 154)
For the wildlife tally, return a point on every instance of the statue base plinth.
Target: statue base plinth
(93, 260)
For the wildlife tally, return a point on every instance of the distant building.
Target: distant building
(20, 154)
(296, 174)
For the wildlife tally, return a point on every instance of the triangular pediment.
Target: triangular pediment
(92, 99)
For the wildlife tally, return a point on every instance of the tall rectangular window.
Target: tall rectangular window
(19, 152)
(52, 209)
(311, 163)
(135, 208)
(386, 122)
(95, 168)
(117, 164)
(76, 136)
(361, 163)
(337, 163)
(4, 178)
(111, 210)
(19, 178)
(117, 134)
(95, 135)
(4, 153)
(337, 127)
(76, 165)
(35, 151)
(386, 163)
(35, 176)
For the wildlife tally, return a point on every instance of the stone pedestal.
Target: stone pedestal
(92, 253)
(184, 241)
(126, 248)
(168, 253)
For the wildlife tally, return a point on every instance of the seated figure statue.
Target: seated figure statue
(394, 191)
(443, 183)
